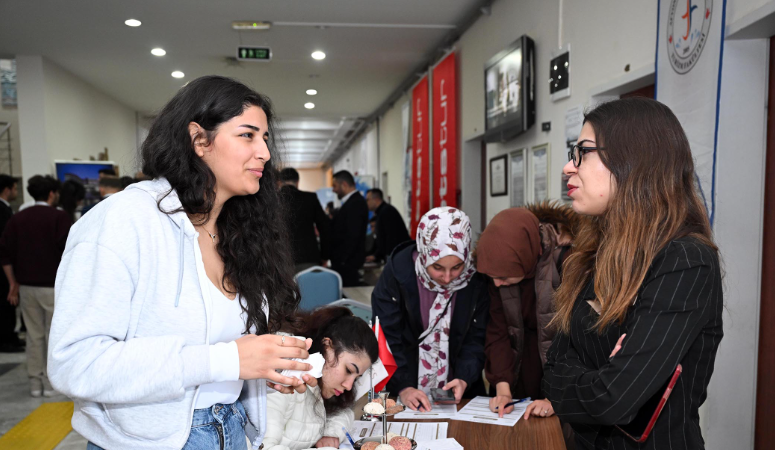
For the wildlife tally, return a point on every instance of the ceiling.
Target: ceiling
(371, 47)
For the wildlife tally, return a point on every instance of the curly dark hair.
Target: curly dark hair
(347, 334)
(255, 248)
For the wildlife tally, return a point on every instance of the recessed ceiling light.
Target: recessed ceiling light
(133, 23)
(312, 92)
(178, 74)
(318, 55)
(158, 52)
(309, 105)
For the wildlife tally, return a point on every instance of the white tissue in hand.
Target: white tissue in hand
(373, 408)
(316, 360)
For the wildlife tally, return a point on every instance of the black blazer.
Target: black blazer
(396, 301)
(676, 318)
(5, 215)
(391, 230)
(304, 214)
(348, 233)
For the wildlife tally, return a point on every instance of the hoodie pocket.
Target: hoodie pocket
(150, 421)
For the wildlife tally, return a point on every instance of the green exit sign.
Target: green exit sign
(254, 54)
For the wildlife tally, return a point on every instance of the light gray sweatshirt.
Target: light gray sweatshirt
(130, 335)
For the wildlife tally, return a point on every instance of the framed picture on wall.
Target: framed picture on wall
(540, 172)
(518, 177)
(498, 180)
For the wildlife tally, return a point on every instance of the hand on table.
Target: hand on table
(458, 387)
(415, 399)
(502, 397)
(327, 441)
(541, 408)
(497, 402)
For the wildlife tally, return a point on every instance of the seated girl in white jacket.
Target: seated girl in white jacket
(314, 419)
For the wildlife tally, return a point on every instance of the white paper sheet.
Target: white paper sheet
(441, 444)
(478, 411)
(438, 412)
(420, 432)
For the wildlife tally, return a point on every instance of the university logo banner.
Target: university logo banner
(421, 154)
(445, 133)
(690, 40)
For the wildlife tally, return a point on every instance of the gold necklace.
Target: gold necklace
(212, 236)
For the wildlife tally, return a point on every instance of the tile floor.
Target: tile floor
(17, 402)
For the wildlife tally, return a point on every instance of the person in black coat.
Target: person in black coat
(391, 229)
(9, 341)
(303, 216)
(348, 230)
(433, 308)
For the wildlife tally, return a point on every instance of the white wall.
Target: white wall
(728, 415)
(33, 135)
(11, 115)
(392, 148)
(361, 158)
(598, 54)
(737, 9)
(81, 121)
(63, 117)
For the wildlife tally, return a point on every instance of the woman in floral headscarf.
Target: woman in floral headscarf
(433, 308)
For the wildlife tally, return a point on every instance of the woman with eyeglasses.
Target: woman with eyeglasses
(641, 292)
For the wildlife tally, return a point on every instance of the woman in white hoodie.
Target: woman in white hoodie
(168, 292)
(315, 418)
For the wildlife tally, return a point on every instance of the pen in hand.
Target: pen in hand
(515, 402)
(349, 438)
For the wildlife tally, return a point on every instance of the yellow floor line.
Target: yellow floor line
(41, 430)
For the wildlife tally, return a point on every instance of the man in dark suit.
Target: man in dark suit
(391, 229)
(304, 215)
(348, 230)
(9, 341)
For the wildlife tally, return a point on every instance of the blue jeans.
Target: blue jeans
(220, 427)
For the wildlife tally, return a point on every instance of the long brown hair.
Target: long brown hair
(654, 201)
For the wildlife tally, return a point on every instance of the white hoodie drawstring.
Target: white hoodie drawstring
(180, 272)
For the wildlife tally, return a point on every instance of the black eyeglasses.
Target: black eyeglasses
(576, 153)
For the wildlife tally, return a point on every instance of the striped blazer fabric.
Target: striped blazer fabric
(676, 318)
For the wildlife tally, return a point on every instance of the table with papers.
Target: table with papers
(478, 410)
(476, 433)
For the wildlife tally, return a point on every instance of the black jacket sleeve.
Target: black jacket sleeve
(386, 304)
(469, 364)
(677, 299)
(381, 241)
(323, 225)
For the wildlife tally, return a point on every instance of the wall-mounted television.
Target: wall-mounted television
(86, 173)
(509, 81)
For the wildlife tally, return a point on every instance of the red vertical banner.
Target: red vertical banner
(421, 155)
(445, 133)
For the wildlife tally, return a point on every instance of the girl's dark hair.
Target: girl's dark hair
(70, 194)
(254, 245)
(347, 334)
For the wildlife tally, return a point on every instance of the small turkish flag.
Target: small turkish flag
(385, 356)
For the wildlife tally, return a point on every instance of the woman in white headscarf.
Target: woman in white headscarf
(433, 308)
